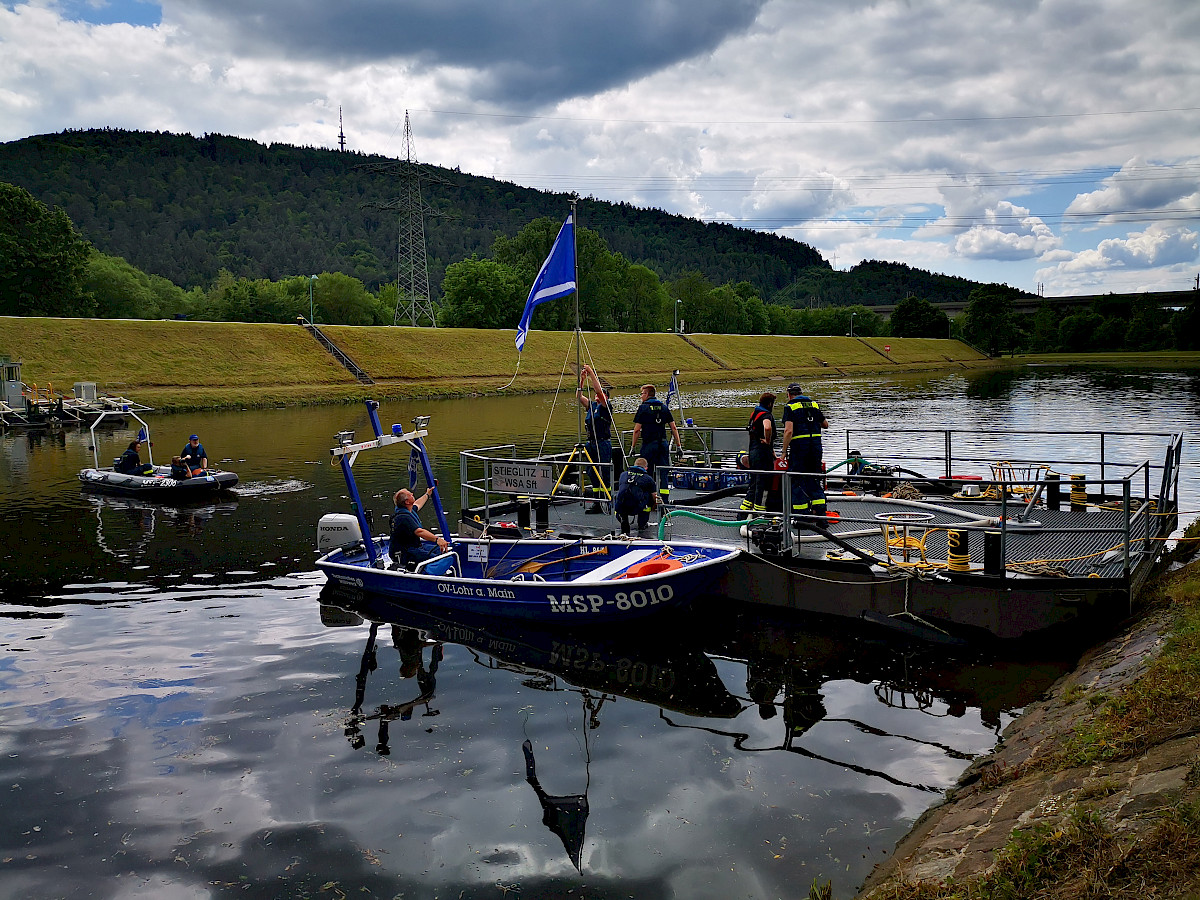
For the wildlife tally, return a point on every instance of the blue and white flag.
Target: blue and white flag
(556, 278)
(673, 390)
(141, 435)
(414, 468)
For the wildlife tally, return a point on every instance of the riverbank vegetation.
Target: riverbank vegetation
(187, 365)
(1091, 855)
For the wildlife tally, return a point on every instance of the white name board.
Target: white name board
(477, 553)
(522, 477)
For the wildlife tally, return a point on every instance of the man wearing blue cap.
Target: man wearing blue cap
(194, 456)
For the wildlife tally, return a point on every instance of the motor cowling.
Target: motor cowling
(336, 530)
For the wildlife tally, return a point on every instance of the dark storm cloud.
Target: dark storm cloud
(526, 53)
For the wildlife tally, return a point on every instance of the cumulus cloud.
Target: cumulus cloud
(775, 202)
(1139, 187)
(1010, 233)
(1158, 245)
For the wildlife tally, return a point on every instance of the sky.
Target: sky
(1052, 145)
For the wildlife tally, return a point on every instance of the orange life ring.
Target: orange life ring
(656, 566)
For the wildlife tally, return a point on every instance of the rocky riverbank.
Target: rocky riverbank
(1102, 777)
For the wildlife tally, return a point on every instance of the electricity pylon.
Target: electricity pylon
(413, 302)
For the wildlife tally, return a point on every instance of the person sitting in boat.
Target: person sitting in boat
(130, 462)
(179, 469)
(194, 456)
(635, 495)
(411, 542)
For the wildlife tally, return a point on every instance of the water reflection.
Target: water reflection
(125, 526)
(786, 695)
(179, 722)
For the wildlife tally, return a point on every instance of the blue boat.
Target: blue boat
(578, 581)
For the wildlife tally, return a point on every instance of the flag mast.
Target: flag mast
(578, 365)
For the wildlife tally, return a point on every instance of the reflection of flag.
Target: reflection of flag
(673, 390)
(556, 278)
(414, 467)
(141, 435)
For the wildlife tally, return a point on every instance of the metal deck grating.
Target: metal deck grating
(863, 521)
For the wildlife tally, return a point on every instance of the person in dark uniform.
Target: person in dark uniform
(598, 424)
(650, 424)
(194, 456)
(410, 541)
(131, 463)
(761, 453)
(635, 495)
(802, 424)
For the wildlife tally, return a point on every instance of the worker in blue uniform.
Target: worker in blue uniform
(803, 421)
(635, 495)
(650, 423)
(598, 426)
(194, 456)
(411, 542)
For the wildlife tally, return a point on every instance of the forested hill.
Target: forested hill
(185, 207)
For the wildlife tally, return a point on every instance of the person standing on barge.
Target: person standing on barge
(598, 423)
(802, 424)
(650, 423)
(761, 453)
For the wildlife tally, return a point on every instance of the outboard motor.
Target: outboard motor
(337, 530)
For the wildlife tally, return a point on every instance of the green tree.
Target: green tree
(1077, 332)
(989, 321)
(42, 259)
(1043, 332)
(917, 317)
(482, 293)
(343, 300)
(1185, 325)
(643, 299)
(694, 292)
(1148, 326)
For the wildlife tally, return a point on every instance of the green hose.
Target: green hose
(737, 523)
(844, 461)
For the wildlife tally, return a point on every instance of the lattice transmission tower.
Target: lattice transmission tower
(413, 303)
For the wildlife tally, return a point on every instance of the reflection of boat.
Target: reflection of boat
(792, 662)
(189, 517)
(157, 482)
(664, 667)
(559, 580)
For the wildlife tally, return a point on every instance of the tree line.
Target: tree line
(48, 268)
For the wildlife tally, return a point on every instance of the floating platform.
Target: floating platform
(1013, 534)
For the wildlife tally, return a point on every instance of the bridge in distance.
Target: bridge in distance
(1068, 305)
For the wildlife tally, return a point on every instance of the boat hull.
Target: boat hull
(578, 595)
(159, 485)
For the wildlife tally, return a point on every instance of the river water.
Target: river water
(180, 719)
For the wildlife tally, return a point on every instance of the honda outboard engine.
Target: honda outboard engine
(337, 530)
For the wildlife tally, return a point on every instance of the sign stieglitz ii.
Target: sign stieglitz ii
(522, 477)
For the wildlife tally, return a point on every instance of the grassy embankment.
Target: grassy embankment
(182, 365)
(1091, 856)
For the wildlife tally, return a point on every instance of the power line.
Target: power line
(915, 120)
